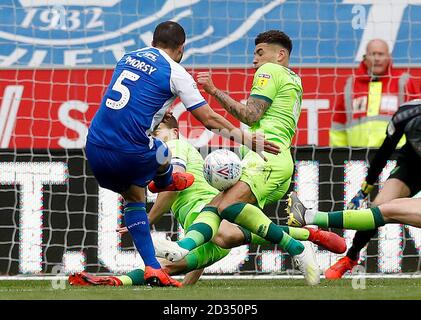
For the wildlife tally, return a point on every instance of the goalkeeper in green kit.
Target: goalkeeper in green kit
(186, 206)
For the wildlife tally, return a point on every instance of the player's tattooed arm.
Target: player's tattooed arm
(249, 113)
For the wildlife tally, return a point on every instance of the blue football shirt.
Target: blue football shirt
(144, 84)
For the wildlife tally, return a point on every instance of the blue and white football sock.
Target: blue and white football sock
(136, 221)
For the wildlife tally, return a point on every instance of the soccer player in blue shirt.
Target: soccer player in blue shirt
(121, 152)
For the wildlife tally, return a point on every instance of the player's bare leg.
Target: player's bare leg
(392, 189)
(240, 192)
(405, 211)
(230, 236)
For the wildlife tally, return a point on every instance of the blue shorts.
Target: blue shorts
(117, 171)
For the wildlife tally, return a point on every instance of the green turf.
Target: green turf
(222, 289)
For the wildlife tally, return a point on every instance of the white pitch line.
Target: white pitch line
(231, 277)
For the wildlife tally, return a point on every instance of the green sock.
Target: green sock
(255, 239)
(204, 256)
(133, 278)
(202, 230)
(364, 219)
(296, 233)
(287, 242)
(252, 238)
(253, 219)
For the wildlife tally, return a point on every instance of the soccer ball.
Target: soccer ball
(222, 169)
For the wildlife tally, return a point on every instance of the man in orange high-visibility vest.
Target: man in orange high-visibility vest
(370, 98)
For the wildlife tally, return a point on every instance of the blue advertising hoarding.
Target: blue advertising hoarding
(72, 33)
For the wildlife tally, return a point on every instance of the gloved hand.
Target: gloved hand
(358, 200)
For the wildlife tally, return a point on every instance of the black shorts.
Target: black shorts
(408, 169)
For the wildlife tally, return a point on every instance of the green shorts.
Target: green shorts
(187, 214)
(208, 253)
(191, 212)
(205, 255)
(268, 180)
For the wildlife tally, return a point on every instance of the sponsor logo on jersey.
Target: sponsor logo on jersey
(262, 79)
(148, 55)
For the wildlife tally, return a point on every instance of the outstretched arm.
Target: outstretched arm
(249, 113)
(192, 277)
(382, 155)
(255, 141)
(162, 205)
(184, 86)
(375, 168)
(164, 201)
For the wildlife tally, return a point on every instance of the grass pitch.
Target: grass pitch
(276, 289)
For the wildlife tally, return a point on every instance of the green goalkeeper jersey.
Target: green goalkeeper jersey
(185, 155)
(281, 87)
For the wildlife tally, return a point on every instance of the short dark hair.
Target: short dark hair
(170, 122)
(168, 35)
(274, 37)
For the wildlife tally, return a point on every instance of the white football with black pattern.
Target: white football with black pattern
(222, 169)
